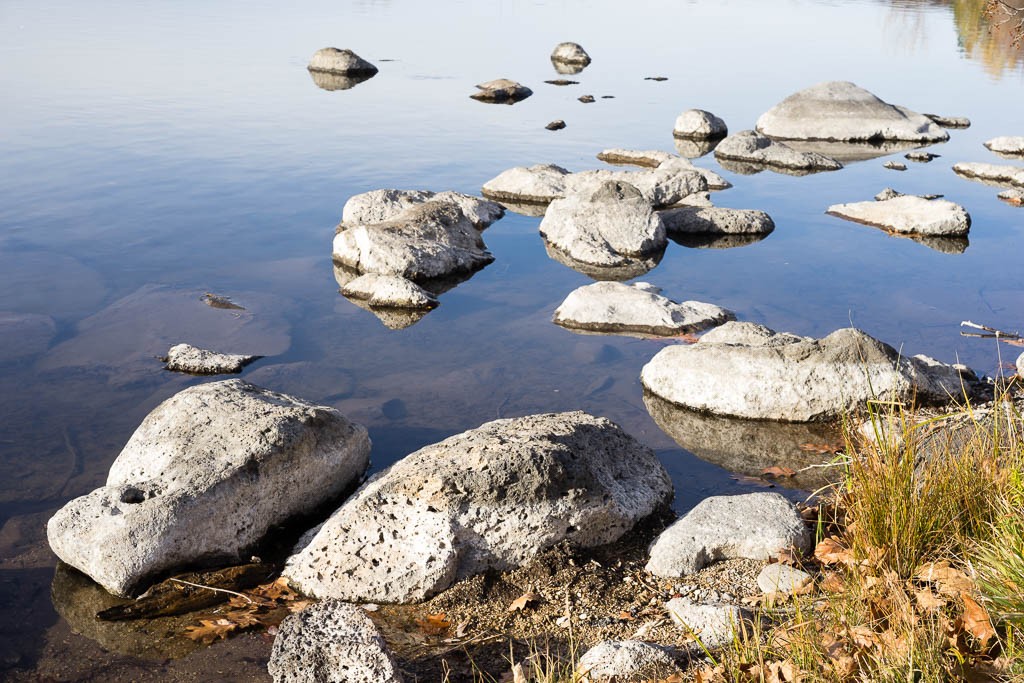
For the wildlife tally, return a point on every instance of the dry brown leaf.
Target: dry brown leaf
(787, 556)
(625, 616)
(434, 624)
(710, 675)
(947, 579)
(976, 621)
(752, 481)
(777, 472)
(831, 551)
(525, 600)
(832, 582)
(927, 600)
(210, 630)
(863, 637)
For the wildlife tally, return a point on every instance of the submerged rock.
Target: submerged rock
(751, 148)
(378, 206)
(713, 220)
(501, 90)
(570, 53)
(749, 371)
(700, 125)
(908, 215)
(1011, 145)
(715, 626)
(839, 110)
(617, 308)
(388, 291)
(625, 661)
(188, 358)
(204, 477)
(991, 173)
(342, 62)
(1015, 197)
(756, 526)
(895, 166)
(331, 642)
(488, 498)
(950, 121)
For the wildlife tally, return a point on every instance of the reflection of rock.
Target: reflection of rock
(1006, 144)
(628, 269)
(908, 215)
(697, 124)
(758, 151)
(751, 446)
(331, 82)
(502, 90)
(24, 334)
(388, 291)
(692, 149)
(568, 69)
(993, 174)
(393, 317)
(713, 241)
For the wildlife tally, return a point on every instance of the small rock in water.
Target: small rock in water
(750, 147)
(650, 158)
(343, 62)
(895, 166)
(557, 124)
(562, 81)
(991, 173)
(921, 157)
(570, 53)
(217, 301)
(587, 99)
(607, 97)
(698, 124)
(656, 78)
(1012, 145)
(950, 121)
(1015, 197)
(501, 90)
(782, 578)
(188, 358)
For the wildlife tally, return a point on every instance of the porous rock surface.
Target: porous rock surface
(488, 498)
(840, 110)
(625, 661)
(950, 121)
(714, 625)
(203, 478)
(342, 62)
(782, 578)
(637, 308)
(539, 184)
(749, 371)
(909, 215)
(570, 53)
(716, 220)
(997, 174)
(1020, 365)
(755, 526)
(388, 291)
(604, 226)
(1006, 144)
(378, 206)
(752, 148)
(188, 358)
(698, 124)
(650, 157)
(501, 90)
(1014, 196)
(331, 642)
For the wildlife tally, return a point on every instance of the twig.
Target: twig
(216, 590)
(988, 332)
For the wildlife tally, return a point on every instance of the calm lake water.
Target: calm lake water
(152, 152)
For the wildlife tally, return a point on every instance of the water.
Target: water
(154, 152)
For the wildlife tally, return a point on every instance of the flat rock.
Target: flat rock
(840, 110)
(755, 526)
(501, 90)
(540, 184)
(751, 148)
(651, 157)
(203, 478)
(908, 215)
(782, 578)
(430, 240)
(715, 220)
(1007, 144)
(489, 498)
(343, 62)
(388, 291)
(384, 205)
(950, 121)
(994, 174)
(188, 358)
(749, 371)
(586, 99)
(715, 626)
(24, 334)
(618, 308)
(570, 53)
(604, 226)
(625, 661)
(921, 157)
(331, 642)
(1015, 197)
(699, 125)
(682, 165)
(895, 166)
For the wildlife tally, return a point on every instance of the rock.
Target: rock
(908, 215)
(342, 62)
(489, 498)
(562, 81)
(749, 371)
(681, 165)
(1012, 145)
(388, 291)
(950, 121)
(384, 205)
(540, 184)
(617, 308)
(604, 226)
(24, 334)
(921, 157)
(651, 158)
(570, 53)
(203, 478)
(895, 166)
(889, 193)
(755, 526)
(714, 626)
(434, 239)
(751, 148)
(626, 269)
(657, 79)
(188, 358)
(625, 661)
(331, 642)
(991, 173)
(1015, 197)
(839, 110)
(1020, 365)
(557, 124)
(782, 578)
(700, 125)
(586, 99)
(717, 221)
(501, 90)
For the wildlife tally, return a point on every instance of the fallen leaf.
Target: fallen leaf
(976, 621)
(927, 600)
(833, 583)
(777, 471)
(831, 551)
(787, 556)
(949, 580)
(434, 624)
(625, 616)
(460, 630)
(210, 630)
(525, 600)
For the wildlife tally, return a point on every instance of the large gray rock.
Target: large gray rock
(384, 205)
(639, 308)
(188, 358)
(388, 291)
(755, 526)
(604, 225)
(539, 184)
(434, 239)
(839, 110)
(501, 90)
(570, 53)
(625, 661)
(751, 148)
(715, 626)
(699, 125)
(203, 478)
(908, 215)
(331, 642)
(1007, 144)
(994, 174)
(492, 497)
(342, 62)
(749, 371)
(717, 221)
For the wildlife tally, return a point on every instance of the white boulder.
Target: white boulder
(782, 578)
(715, 626)
(343, 62)
(501, 90)
(908, 215)
(1014, 196)
(717, 221)
(378, 206)
(570, 53)
(539, 184)
(631, 157)
(625, 661)
(1007, 144)
(751, 148)
(188, 358)
(699, 125)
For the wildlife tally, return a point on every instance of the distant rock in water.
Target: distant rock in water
(950, 121)
(698, 124)
(334, 69)
(586, 99)
(188, 358)
(921, 157)
(562, 82)
(1015, 197)
(895, 166)
(502, 91)
(993, 174)
(908, 215)
(842, 111)
(1009, 145)
(558, 124)
(760, 152)
(570, 53)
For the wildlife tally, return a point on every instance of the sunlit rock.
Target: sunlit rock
(714, 220)
(908, 215)
(378, 206)
(748, 147)
(993, 174)
(699, 125)
(570, 53)
(341, 62)
(191, 359)
(502, 90)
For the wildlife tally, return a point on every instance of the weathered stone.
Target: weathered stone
(908, 215)
(604, 226)
(700, 125)
(782, 578)
(1011, 145)
(950, 121)
(586, 99)
(24, 334)
(188, 358)
(501, 90)
(895, 166)
(491, 497)
(1015, 197)
(755, 526)
(331, 642)
(343, 62)
(672, 182)
(570, 53)
(639, 308)
(384, 205)
(994, 174)
(203, 478)
(839, 110)
(625, 661)
(751, 148)
(388, 291)
(1020, 365)
(749, 371)
(681, 165)
(651, 158)
(714, 626)
(539, 184)
(921, 157)
(557, 124)
(717, 221)
(889, 193)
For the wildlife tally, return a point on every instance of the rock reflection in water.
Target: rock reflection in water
(713, 241)
(331, 81)
(693, 149)
(567, 69)
(531, 209)
(846, 152)
(631, 268)
(750, 446)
